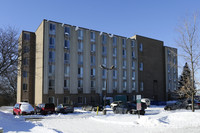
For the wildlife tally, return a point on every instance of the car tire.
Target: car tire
(168, 109)
(189, 108)
(129, 112)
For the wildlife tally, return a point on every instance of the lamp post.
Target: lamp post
(106, 68)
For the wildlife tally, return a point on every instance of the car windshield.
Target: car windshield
(49, 105)
(26, 107)
(66, 105)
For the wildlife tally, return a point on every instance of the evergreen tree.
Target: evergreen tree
(185, 83)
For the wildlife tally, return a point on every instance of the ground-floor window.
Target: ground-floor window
(80, 99)
(51, 99)
(66, 100)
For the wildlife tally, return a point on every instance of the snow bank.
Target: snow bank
(155, 120)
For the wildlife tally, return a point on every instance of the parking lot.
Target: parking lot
(156, 119)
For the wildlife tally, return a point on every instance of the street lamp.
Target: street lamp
(106, 68)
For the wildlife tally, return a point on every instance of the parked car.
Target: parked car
(64, 108)
(48, 108)
(23, 108)
(92, 107)
(182, 104)
(147, 101)
(115, 103)
(130, 108)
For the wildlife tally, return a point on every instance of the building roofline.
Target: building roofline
(89, 29)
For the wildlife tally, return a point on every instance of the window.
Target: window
(104, 39)
(174, 70)
(66, 71)
(26, 36)
(174, 60)
(80, 71)
(124, 84)
(80, 34)
(104, 84)
(114, 41)
(24, 87)
(92, 36)
(93, 47)
(124, 74)
(67, 44)
(52, 28)
(92, 60)
(174, 77)
(67, 30)
(133, 85)
(132, 43)
(141, 86)
(51, 56)
(51, 84)
(25, 61)
(66, 83)
(114, 51)
(92, 71)
(115, 62)
(104, 60)
(133, 54)
(104, 73)
(80, 100)
(80, 46)
(168, 68)
(80, 59)
(104, 50)
(133, 75)
(123, 42)
(124, 64)
(133, 65)
(80, 83)
(114, 84)
(51, 42)
(114, 74)
(141, 47)
(51, 99)
(51, 69)
(25, 49)
(141, 66)
(25, 74)
(66, 58)
(92, 83)
(66, 100)
(124, 53)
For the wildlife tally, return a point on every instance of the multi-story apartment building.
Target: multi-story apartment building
(67, 66)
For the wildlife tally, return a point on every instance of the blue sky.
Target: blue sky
(156, 19)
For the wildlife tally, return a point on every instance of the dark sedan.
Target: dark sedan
(130, 108)
(183, 104)
(64, 108)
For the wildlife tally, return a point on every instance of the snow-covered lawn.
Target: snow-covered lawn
(156, 120)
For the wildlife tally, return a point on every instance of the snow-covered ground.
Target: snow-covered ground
(156, 120)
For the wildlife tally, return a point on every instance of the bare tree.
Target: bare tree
(188, 41)
(8, 61)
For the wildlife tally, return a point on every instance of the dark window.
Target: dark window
(67, 30)
(26, 49)
(80, 100)
(25, 61)
(25, 74)
(66, 100)
(26, 36)
(24, 87)
(51, 84)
